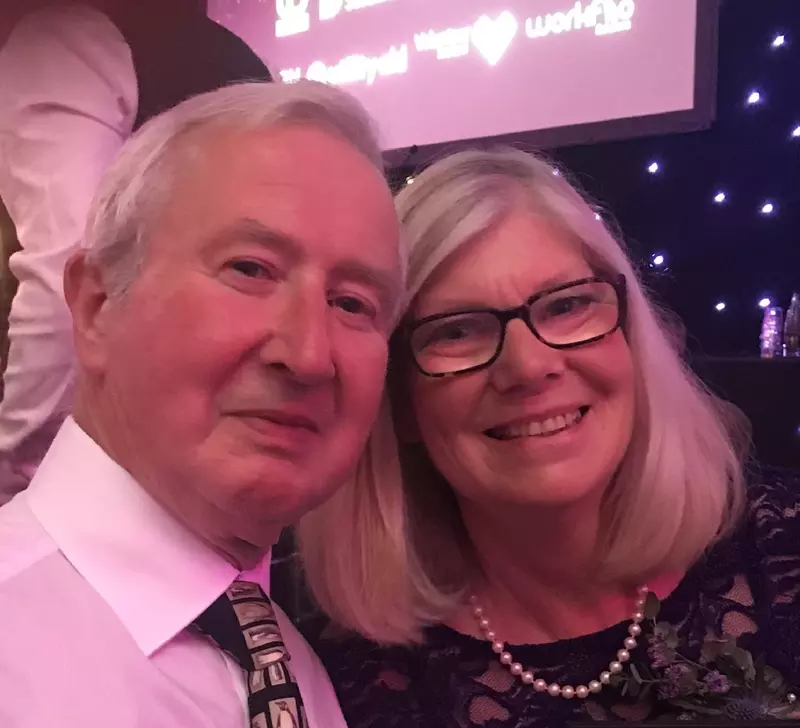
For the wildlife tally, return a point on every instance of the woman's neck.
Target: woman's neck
(536, 574)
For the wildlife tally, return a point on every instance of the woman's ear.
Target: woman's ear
(88, 301)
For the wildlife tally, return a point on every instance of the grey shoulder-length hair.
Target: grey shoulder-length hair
(386, 555)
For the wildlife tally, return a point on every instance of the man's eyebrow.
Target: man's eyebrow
(385, 282)
(247, 229)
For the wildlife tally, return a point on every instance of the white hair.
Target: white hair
(387, 554)
(139, 179)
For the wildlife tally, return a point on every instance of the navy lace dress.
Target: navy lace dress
(747, 587)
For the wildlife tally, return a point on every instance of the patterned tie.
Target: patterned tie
(242, 623)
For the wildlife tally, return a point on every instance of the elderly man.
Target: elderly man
(232, 306)
(77, 78)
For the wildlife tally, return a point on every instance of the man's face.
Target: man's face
(244, 368)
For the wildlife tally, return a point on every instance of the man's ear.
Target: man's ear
(87, 298)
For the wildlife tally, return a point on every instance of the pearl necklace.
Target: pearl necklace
(554, 689)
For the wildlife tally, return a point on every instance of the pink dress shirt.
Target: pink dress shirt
(97, 586)
(68, 101)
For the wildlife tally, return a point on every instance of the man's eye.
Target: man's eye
(355, 306)
(252, 268)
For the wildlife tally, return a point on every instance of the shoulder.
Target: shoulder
(71, 57)
(70, 21)
(765, 547)
(65, 39)
(378, 685)
(772, 522)
(773, 510)
(23, 542)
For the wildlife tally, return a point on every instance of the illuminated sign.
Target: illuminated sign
(356, 68)
(490, 36)
(293, 17)
(603, 16)
(329, 9)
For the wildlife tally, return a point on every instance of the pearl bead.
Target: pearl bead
(791, 697)
(568, 692)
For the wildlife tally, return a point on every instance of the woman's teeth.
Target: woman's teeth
(550, 426)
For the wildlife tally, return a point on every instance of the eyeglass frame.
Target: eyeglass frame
(506, 315)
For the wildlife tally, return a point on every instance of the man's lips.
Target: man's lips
(283, 418)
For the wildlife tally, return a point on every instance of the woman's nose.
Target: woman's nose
(525, 361)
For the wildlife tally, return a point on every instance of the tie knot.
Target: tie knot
(242, 622)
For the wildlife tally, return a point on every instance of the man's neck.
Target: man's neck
(199, 517)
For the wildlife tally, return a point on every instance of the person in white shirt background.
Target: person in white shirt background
(77, 77)
(231, 307)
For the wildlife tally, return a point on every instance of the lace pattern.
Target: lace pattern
(746, 587)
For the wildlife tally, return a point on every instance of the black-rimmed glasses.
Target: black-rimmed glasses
(569, 315)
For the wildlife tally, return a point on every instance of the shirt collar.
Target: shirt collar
(150, 569)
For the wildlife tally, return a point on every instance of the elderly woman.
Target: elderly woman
(545, 477)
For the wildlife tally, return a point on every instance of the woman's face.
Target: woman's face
(490, 432)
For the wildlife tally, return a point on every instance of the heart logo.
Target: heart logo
(492, 37)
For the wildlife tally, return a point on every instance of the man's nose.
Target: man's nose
(525, 361)
(300, 341)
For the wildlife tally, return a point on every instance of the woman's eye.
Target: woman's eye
(252, 268)
(570, 304)
(450, 332)
(355, 306)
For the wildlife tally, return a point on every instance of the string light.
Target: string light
(764, 302)
(767, 208)
(720, 306)
(653, 168)
(659, 260)
(720, 197)
(779, 41)
(754, 98)
(796, 132)
(410, 180)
